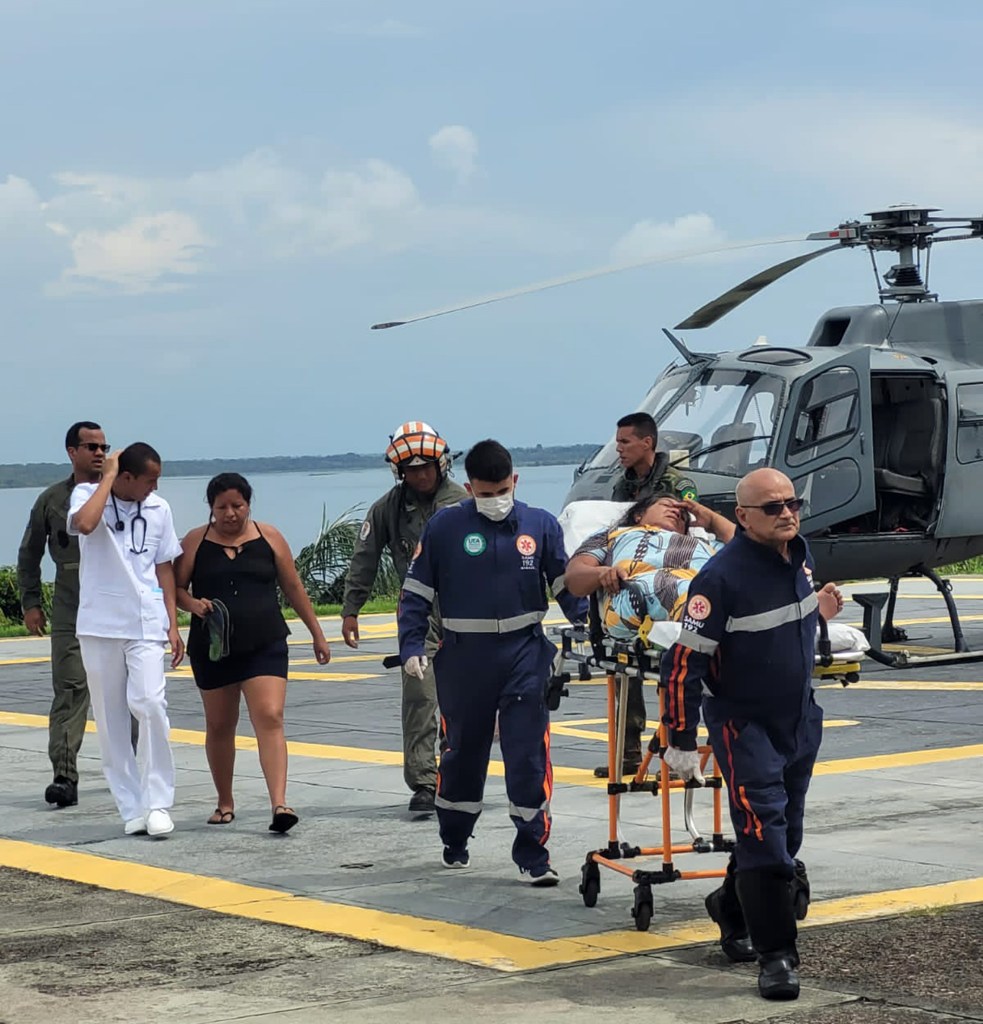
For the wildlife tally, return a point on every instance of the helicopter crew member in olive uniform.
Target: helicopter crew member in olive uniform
(747, 646)
(646, 473)
(86, 446)
(420, 461)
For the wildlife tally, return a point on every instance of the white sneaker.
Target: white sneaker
(135, 827)
(542, 877)
(159, 823)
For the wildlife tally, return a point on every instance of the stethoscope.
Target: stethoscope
(121, 526)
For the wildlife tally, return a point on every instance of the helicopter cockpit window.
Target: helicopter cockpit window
(659, 397)
(720, 422)
(969, 426)
(827, 416)
(723, 422)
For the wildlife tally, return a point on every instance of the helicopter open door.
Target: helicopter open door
(824, 443)
(963, 481)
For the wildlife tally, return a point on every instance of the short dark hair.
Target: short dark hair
(643, 425)
(228, 482)
(74, 434)
(135, 458)
(635, 513)
(488, 460)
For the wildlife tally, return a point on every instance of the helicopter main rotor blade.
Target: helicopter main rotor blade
(586, 275)
(723, 304)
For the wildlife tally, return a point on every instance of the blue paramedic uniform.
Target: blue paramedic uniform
(493, 580)
(748, 645)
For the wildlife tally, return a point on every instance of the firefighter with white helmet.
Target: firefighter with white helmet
(420, 461)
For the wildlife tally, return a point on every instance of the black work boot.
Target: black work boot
(766, 900)
(62, 792)
(422, 800)
(724, 909)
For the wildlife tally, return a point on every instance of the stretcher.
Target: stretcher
(587, 650)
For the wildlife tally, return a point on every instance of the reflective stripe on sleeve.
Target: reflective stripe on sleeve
(464, 806)
(776, 617)
(558, 586)
(695, 642)
(416, 587)
(494, 625)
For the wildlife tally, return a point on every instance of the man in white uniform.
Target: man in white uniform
(127, 614)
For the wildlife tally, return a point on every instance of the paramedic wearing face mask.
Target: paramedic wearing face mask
(127, 616)
(420, 461)
(748, 645)
(492, 563)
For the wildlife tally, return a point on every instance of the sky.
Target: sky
(205, 204)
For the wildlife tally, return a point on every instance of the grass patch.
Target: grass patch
(968, 567)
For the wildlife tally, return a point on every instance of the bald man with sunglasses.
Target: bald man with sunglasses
(747, 647)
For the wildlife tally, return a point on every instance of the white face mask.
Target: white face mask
(495, 509)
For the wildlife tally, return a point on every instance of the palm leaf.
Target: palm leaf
(323, 564)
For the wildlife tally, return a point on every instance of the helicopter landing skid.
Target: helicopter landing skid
(877, 634)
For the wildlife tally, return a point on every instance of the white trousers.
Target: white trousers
(126, 677)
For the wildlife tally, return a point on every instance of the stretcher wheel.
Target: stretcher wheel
(642, 909)
(590, 883)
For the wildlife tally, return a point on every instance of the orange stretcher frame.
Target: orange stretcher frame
(621, 660)
(621, 857)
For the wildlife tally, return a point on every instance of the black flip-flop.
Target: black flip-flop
(224, 817)
(218, 623)
(284, 819)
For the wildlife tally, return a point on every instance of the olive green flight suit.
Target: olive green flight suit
(70, 706)
(396, 522)
(629, 487)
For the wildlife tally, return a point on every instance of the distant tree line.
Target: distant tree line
(40, 474)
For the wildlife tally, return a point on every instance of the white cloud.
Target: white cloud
(456, 148)
(124, 234)
(18, 200)
(648, 238)
(145, 254)
(873, 151)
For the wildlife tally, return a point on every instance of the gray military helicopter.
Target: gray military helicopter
(877, 419)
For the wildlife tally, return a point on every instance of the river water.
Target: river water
(293, 502)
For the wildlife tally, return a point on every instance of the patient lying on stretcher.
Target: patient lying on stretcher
(644, 562)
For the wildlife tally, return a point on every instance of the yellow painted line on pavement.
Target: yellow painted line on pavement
(928, 685)
(443, 939)
(570, 776)
(24, 661)
(184, 672)
(910, 758)
(575, 729)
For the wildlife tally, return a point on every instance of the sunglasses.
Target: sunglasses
(93, 447)
(775, 508)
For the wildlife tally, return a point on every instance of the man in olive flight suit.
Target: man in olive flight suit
(86, 446)
(420, 461)
(646, 473)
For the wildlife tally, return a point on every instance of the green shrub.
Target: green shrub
(10, 605)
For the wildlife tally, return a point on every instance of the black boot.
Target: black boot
(724, 909)
(62, 792)
(766, 899)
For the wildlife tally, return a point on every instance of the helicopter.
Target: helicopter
(877, 419)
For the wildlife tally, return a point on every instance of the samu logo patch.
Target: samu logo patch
(475, 544)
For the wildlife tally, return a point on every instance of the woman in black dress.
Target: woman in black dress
(234, 563)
